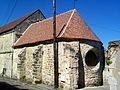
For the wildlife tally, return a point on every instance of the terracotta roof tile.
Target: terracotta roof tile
(114, 43)
(11, 25)
(69, 25)
(77, 28)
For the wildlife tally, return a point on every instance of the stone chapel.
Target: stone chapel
(80, 53)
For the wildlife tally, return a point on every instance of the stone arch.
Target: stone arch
(21, 65)
(37, 64)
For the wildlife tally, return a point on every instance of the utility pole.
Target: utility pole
(55, 47)
(75, 3)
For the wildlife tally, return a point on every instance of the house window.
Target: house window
(91, 58)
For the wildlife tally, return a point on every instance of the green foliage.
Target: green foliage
(108, 61)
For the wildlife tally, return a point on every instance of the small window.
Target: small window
(91, 59)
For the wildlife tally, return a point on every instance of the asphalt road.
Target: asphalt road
(9, 84)
(6, 86)
(104, 87)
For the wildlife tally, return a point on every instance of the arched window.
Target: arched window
(91, 58)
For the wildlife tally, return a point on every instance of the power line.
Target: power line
(102, 27)
(5, 12)
(12, 10)
(105, 28)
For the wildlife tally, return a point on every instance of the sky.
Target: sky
(102, 16)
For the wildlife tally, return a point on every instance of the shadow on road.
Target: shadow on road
(6, 86)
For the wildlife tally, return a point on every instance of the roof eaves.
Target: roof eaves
(89, 27)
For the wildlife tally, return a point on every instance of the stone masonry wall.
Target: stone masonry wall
(5, 64)
(21, 67)
(37, 64)
(68, 65)
(73, 71)
(8, 39)
(6, 42)
(15, 63)
(92, 74)
(48, 65)
(28, 64)
(114, 68)
(31, 63)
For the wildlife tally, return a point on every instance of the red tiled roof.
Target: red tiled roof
(69, 25)
(11, 25)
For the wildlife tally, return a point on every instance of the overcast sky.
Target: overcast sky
(102, 16)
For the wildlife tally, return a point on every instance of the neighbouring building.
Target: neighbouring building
(80, 53)
(9, 33)
(114, 67)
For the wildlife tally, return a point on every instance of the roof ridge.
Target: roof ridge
(56, 16)
(67, 23)
(67, 12)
